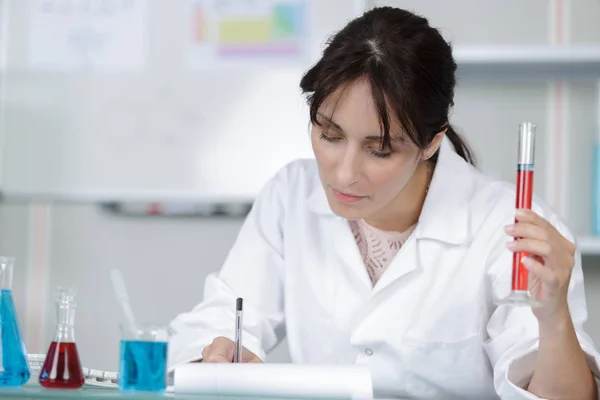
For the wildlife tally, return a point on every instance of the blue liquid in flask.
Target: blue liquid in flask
(14, 369)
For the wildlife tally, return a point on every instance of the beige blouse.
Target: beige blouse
(377, 247)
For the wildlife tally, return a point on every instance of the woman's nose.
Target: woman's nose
(348, 169)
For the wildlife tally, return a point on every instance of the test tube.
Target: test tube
(520, 294)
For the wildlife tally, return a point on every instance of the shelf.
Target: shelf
(541, 55)
(589, 245)
(544, 61)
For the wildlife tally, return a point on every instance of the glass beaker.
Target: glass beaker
(14, 369)
(143, 358)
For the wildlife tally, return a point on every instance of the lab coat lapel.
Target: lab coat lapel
(405, 262)
(346, 250)
(343, 242)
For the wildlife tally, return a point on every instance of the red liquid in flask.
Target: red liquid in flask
(524, 197)
(62, 367)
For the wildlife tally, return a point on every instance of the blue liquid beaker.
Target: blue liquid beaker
(143, 358)
(14, 369)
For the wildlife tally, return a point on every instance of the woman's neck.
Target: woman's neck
(404, 211)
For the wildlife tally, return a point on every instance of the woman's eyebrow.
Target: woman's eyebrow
(394, 139)
(330, 121)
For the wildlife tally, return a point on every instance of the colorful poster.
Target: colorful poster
(96, 34)
(238, 32)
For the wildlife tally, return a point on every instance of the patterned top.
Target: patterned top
(377, 247)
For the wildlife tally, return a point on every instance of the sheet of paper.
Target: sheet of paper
(90, 34)
(240, 33)
(275, 380)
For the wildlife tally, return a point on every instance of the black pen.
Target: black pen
(237, 354)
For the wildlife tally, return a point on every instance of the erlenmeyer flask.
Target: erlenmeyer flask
(62, 367)
(14, 369)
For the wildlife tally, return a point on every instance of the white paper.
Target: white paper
(90, 34)
(242, 33)
(275, 380)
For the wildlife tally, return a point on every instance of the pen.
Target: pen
(237, 354)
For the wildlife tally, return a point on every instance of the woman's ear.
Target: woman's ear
(434, 145)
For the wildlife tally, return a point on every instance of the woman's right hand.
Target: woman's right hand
(221, 351)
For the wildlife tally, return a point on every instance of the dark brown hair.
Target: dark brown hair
(408, 65)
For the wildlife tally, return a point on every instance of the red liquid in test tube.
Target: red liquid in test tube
(524, 191)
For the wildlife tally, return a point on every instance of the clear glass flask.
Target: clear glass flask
(62, 366)
(14, 369)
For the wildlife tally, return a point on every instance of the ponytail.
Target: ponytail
(460, 145)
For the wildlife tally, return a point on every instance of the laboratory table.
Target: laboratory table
(37, 392)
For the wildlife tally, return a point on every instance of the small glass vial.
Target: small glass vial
(62, 367)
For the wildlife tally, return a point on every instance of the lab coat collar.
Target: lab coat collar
(445, 213)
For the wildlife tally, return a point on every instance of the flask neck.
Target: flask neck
(65, 321)
(64, 334)
(6, 272)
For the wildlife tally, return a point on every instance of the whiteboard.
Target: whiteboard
(154, 127)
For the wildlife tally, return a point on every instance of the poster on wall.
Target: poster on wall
(240, 33)
(87, 34)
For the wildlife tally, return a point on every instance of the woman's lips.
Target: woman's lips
(347, 198)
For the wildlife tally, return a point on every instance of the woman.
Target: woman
(389, 250)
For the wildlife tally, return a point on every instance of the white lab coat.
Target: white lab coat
(428, 329)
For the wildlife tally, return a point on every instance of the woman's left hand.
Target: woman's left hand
(550, 262)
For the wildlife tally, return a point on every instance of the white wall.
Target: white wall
(165, 261)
